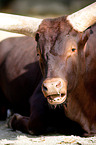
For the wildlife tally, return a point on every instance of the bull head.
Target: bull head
(54, 88)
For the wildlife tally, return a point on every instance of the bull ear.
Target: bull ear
(84, 37)
(83, 18)
(81, 48)
(19, 24)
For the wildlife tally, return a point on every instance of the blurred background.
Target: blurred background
(42, 7)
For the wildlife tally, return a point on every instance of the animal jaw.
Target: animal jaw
(56, 99)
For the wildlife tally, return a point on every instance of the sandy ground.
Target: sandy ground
(10, 137)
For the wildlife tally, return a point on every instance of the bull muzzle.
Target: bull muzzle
(55, 90)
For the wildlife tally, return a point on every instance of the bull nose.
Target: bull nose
(54, 90)
(50, 86)
(54, 86)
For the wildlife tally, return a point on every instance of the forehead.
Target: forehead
(52, 28)
(55, 33)
(55, 26)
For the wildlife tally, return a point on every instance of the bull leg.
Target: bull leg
(19, 122)
(37, 122)
(32, 125)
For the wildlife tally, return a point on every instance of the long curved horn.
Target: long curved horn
(19, 24)
(83, 18)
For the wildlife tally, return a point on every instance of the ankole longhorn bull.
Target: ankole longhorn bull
(64, 74)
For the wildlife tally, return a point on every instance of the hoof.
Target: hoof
(12, 119)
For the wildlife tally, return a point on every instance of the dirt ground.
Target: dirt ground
(10, 137)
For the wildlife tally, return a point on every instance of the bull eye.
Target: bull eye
(73, 49)
(37, 37)
(37, 54)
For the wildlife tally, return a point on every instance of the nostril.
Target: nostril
(58, 85)
(44, 88)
